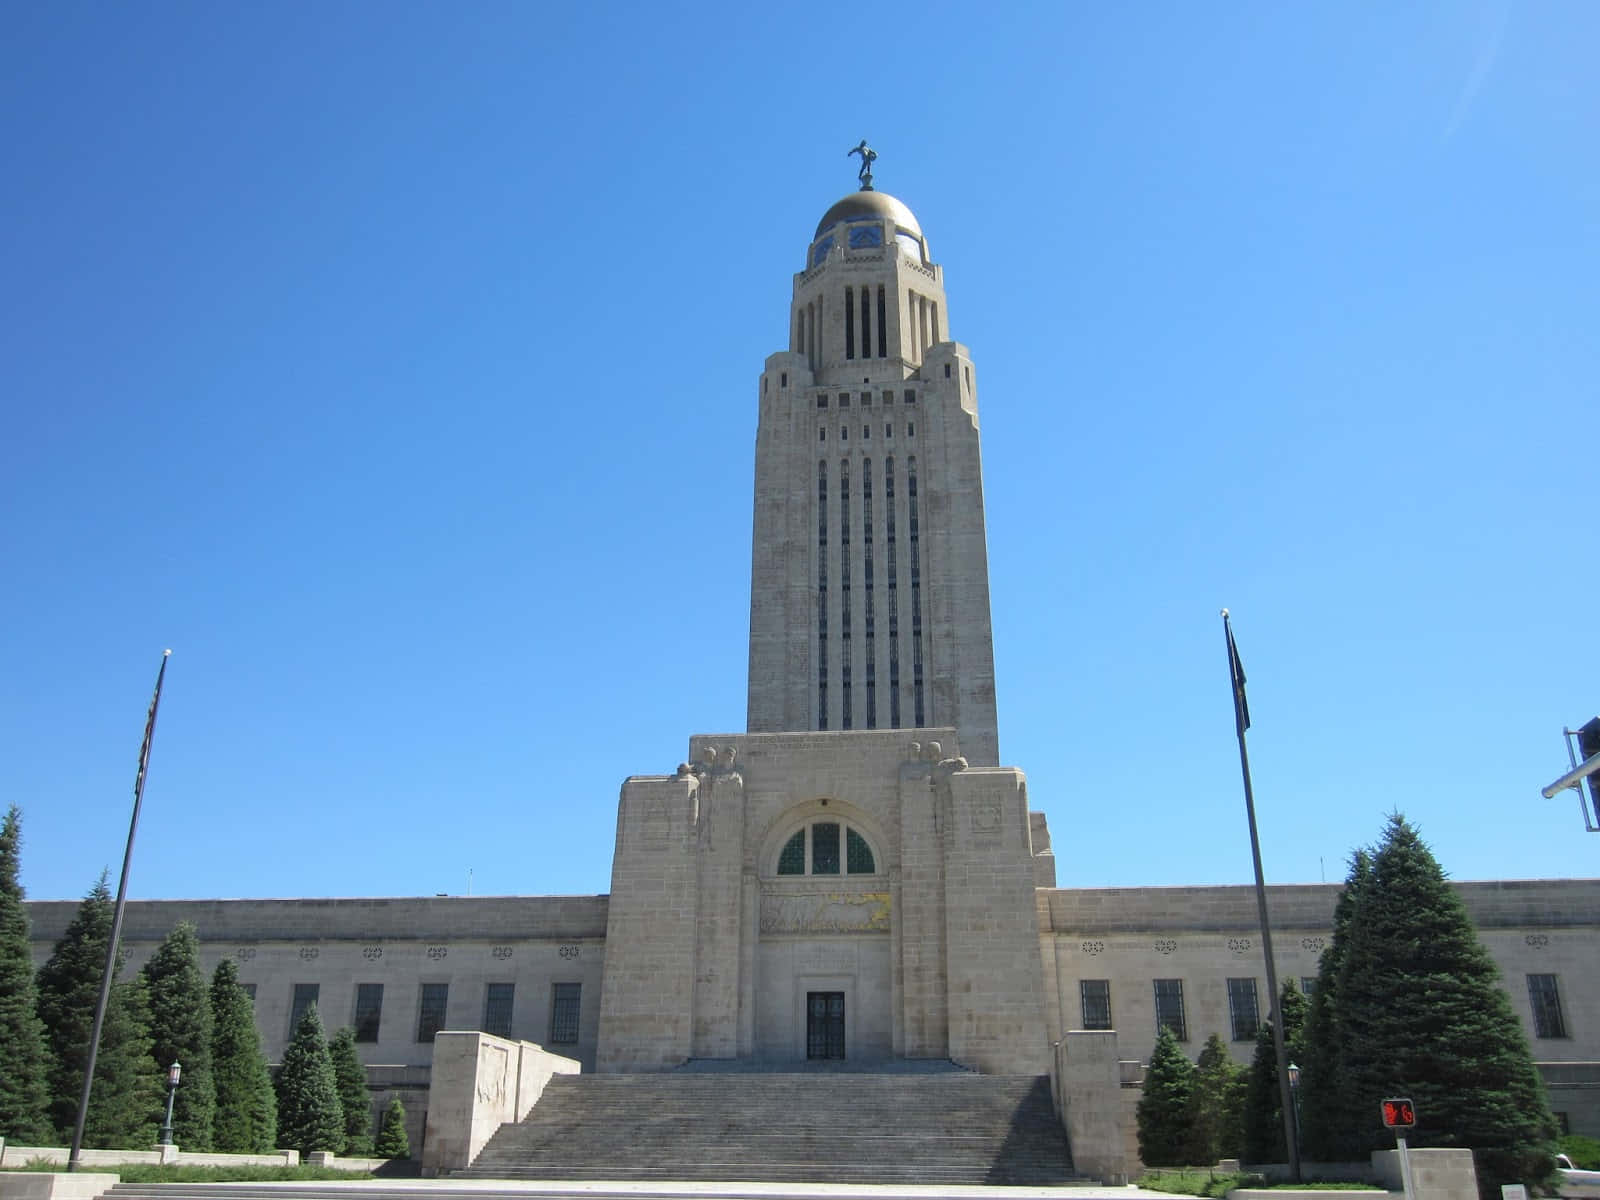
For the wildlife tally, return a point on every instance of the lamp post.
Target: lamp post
(174, 1073)
(1294, 1090)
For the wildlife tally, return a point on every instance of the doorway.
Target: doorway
(824, 1025)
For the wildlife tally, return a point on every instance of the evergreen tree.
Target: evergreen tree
(24, 1094)
(392, 1140)
(127, 1089)
(129, 1095)
(1326, 1106)
(1263, 1110)
(354, 1099)
(1165, 1105)
(247, 1107)
(180, 1031)
(1216, 1116)
(309, 1116)
(1421, 1014)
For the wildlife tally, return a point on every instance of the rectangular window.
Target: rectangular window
(1096, 994)
(250, 990)
(866, 432)
(1243, 1008)
(1308, 985)
(430, 1010)
(305, 995)
(369, 1010)
(911, 396)
(824, 848)
(497, 998)
(564, 1003)
(1545, 1000)
(844, 399)
(1169, 1008)
(822, 401)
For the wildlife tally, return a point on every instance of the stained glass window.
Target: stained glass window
(858, 854)
(824, 848)
(793, 859)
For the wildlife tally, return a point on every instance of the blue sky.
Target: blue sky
(396, 365)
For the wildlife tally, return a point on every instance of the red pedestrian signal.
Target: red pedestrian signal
(1399, 1114)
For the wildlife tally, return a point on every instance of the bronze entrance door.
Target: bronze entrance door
(824, 1024)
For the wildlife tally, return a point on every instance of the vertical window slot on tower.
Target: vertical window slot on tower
(844, 594)
(866, 579)
(866, 324)
(894, 606)
(883, 325)
(849, 322)
(919, 711)
(822, 593)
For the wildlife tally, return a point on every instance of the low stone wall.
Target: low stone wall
(1437, 1173)
(17, 1156)
(1096, 1110)
(480, 1082)
(49, 1185)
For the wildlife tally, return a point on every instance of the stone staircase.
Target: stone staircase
(849, 1127)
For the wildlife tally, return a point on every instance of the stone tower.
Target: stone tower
(869, 592)
(855, 876)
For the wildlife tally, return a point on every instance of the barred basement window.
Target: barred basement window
(497, 1004)
(305, 995)
(1243, 1009)
(1169, 1008)
(431, 1009)
(565, 1002)
(1096, 997)
(369, 1011)
(1545, 999)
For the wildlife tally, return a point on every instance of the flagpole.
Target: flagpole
(106, 977)
(1241, 721)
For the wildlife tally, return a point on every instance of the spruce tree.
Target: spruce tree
(1263, 1111)
(1328, 1111)
(1421, 1014)
(129, 1095)
(309, 1116)
(127, 1089)
(351, 1079)
(24, 1094)
(392, 1140)
(180, 1031)
(247, 1107)
(1216, 1117)
(1165, 1105)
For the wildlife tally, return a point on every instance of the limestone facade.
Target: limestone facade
(857, 875)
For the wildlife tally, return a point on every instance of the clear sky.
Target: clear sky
(396, 365)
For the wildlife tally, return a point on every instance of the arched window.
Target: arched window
(827, 848)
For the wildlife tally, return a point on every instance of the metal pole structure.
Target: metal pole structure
(174, 1073)
(1241, 714)
(74, 1155)
(1405, 1167)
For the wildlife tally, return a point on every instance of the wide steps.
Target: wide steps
(952, 1128)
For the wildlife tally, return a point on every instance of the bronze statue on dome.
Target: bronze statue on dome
(868, 156)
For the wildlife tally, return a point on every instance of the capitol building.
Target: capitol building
(856, 876)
